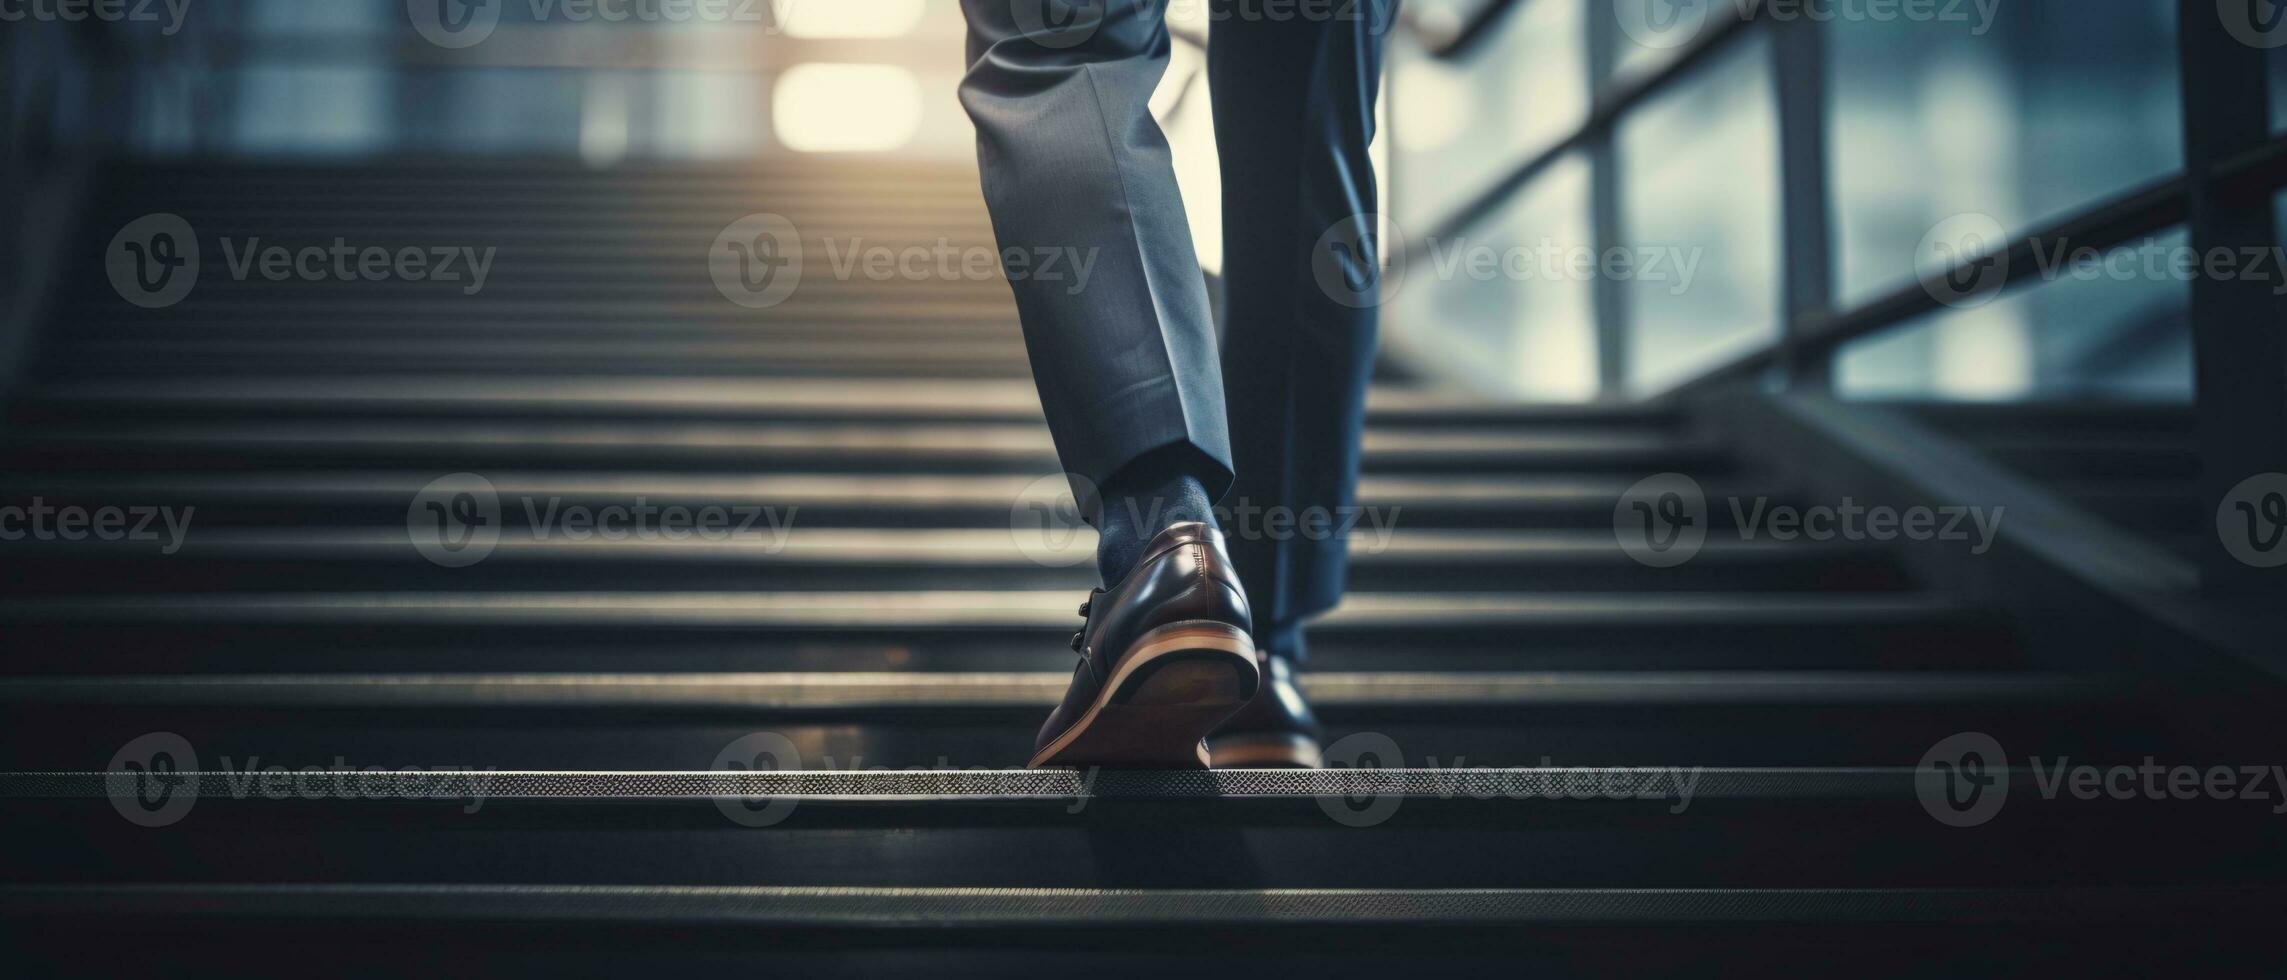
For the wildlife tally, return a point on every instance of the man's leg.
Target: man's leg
(1072, 160)
(1075, 165)
(1294, 115)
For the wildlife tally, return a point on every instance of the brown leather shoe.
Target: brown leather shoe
(1274, 731)
(1164, 657)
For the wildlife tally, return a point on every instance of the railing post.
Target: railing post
(1806, 247)
(2239, 333)
(1610, 295)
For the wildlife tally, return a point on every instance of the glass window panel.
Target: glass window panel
(1700, 192)
(2091, 332)
(704, 115)
(1459, 126)
(312, 110)
(303, 18)
(2046, 113)
(487, 111)
(2277, 62)
(1499, 309)
(1647, 34)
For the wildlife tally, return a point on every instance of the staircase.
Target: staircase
(783, 742)
(2134, 465)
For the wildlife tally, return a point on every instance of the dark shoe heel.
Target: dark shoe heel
(1174, 686)
(1180, 681)
(1269, 750)
(1182, 663)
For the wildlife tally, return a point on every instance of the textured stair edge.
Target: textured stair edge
(924, 787)
(950, 908)
(608, 395)
(971, 610)
(918, 547)
(909, 490)
(847, 691)
(917, 441)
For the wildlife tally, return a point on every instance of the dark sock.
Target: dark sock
(1140, 501)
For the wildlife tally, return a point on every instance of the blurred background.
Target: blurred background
(2024, 119)
(395, 557)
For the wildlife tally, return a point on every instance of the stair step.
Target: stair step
(399, 631)
(1437, 829)
(863, 693)
(983, 908)
(773, 447)
(762, 358)
(2100, 455)
(908, 500)
(875, 932)
(2037, 419)
(700, 397)
(242, 559)
(954, 610)
(920, 720)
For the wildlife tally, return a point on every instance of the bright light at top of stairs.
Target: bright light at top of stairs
(853, 18)
(821, 108)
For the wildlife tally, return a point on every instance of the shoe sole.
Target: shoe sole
(1173, 687)
(1266, 751)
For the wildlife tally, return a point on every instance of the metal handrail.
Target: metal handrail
(1606, 110)
(2108, 224)
(1473, 31)
(1821, 333)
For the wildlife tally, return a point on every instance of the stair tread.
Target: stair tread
(947, 548)
(906, 487)
(930, 787)
(878, 610)
(889, 691)
(939, 437)
(939, 908)
(1010, 399)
